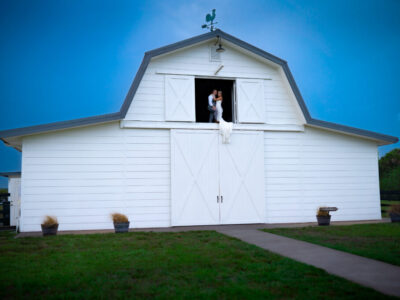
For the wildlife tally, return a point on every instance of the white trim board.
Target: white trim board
(211, 75)
(207, 126)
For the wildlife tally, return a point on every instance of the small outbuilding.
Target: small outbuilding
(161, 163)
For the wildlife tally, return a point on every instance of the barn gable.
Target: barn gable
(262, 90)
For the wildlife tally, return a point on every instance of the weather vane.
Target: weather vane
(210, 19)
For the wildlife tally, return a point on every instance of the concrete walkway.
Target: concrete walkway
(380, 276)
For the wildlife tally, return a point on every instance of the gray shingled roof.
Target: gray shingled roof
(185, 43)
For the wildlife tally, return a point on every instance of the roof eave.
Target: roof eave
(10, 174)
(59, 125)
(382, 139)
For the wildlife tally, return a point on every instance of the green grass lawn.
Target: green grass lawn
(202, 264)
(377, 241)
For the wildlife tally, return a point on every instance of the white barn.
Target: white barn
(159, 162)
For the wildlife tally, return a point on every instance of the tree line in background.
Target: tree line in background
(389, 170)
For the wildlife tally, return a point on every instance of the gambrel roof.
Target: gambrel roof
(384, 139)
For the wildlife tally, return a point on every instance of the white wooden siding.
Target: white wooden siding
(315, 168)
(83, 175)
(149, 103)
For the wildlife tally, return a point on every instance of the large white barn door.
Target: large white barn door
(242, 178)
(250, 100)
(179, 98)
(194, 177)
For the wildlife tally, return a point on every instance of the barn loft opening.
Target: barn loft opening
(203, 88)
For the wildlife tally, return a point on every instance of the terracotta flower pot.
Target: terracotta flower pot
(324, 220)
(121, 227)
(394, 217)
(49, 230)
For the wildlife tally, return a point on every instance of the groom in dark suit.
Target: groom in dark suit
(211, 106)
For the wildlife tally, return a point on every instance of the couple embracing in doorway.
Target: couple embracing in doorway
(215, 106)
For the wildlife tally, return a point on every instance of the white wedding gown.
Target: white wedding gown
(225, 128)
(219, 109)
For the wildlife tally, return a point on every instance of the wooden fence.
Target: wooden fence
(389, 198)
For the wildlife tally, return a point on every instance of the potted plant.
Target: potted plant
(121, 223)
(49, 226)
(394, 212)
(323, 216)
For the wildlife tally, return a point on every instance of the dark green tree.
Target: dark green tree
(389, 170)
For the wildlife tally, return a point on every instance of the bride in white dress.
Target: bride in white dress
(218, 106)
(225, 128)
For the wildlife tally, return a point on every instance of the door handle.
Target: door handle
(217, 199)
(222, 199)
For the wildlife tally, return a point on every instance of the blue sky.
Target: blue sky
(62, 60)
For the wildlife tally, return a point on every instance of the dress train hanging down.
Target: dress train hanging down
(225, 128)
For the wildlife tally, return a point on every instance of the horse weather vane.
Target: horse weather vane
(210, 19)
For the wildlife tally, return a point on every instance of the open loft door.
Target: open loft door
(203, 88)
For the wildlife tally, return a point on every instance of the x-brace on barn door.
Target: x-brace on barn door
(215, 183)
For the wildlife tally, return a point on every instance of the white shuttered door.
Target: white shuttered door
(179, 98)
(250, 100)
(15, 198)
